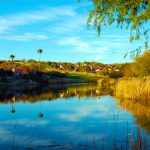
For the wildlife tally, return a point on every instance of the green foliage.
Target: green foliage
(69, 67)
(31, 60)
(133, 14)
(40, 51)
(115, 74)
(85, 69)
(143, 63)
(141, 66)
(83, 77)
(107, 82)
(130, 70)
(104, 72)
(12, 57)
(7, 64)
(53, 64)
(55, 74)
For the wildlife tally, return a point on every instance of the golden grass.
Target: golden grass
(134, 89)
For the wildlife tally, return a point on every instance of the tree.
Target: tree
(12, 57)
(39, 51)
(133, 14)
(69, 66)
(143, 63)
(141, 66)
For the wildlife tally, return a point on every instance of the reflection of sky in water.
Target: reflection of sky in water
(65, 121)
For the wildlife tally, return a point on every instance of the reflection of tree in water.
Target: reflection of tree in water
(12, 109)
(13, 101)
(40, 115)
(52, 93)
(140, 111)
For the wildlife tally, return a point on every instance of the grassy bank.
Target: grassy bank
(137, 89)
(107, 82)
(85, 77)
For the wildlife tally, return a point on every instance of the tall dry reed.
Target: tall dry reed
(134, 89)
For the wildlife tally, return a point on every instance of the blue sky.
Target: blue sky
(59, 28)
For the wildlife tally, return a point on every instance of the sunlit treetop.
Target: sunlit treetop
(131, 14)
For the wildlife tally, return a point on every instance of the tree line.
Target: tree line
(139, 67)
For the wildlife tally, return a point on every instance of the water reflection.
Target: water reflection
(73, 117)
(51, 93)
(40, 115)
(140, 111)
(13, 101)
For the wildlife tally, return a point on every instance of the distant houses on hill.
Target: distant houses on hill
(20, 71)
(15, 72)
(22, 68)
(88, 68)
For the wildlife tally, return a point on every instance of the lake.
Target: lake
(70, 117)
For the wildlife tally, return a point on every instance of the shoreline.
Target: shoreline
(29, 83)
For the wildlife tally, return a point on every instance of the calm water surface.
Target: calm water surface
(74, 117)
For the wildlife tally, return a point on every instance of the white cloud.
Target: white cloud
(69, 25)
(2, 57)
(83, 46)
(98, 57)
(115, 36)
(24, 18)
(24, 37)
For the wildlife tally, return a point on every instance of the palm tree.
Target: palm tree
(12, 57)
(39, 51)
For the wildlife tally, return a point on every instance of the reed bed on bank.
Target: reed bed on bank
(134, 89)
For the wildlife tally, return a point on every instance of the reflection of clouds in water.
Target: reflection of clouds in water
(67, 121)
(76, 135)
(78, 113)
(21, 138)
(71, 132)
(4, 134)
(23, 131)
(103, 109)
(25, 122)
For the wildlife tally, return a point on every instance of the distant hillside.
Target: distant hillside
(88, 67)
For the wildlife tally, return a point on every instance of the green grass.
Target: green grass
(82, 76)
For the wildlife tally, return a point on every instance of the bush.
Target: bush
(141, 66)
(115, 74)
(55, 74)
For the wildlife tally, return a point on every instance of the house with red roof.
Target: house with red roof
(20, 71)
